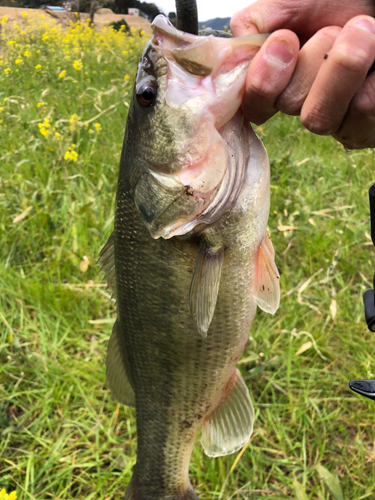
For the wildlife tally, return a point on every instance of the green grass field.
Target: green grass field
(62, 436)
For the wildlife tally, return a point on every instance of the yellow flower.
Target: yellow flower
(43, 127)
(43, 131)
(1, 109)
(78, 65)
(62, 74)
(126, 77)
(27, 53)
(38, 66)
(4, 19)
(5, 496)
(7, 70)
(70, 154)
(18, 61)
(141, 32)
(24, 14)
(58, 136)
(6, 99)
(91, 131)
(40, 104)
(11, 42)
(97, 126)
(125, 52)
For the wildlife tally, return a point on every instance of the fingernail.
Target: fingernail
(280, 52)
(366, 24)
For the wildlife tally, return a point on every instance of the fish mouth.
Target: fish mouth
(201, 55)
(202, 92)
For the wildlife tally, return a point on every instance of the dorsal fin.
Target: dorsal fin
(117, 379)
(106, 262)
(266, 285)
(230, 426)
(204, 286)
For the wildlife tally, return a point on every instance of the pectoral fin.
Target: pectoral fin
(106, 262)
(230, 426)
(266, 285)
(204, 287)
(117, 379)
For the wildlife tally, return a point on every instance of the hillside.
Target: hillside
(217, 24)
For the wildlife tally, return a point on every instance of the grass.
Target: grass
(61, 434)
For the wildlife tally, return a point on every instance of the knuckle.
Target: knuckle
(351, 59)
(316, 122)
(329, 33)
(291, 101)
(364, 100)
(262, 88)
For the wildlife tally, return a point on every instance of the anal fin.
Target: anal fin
(266, 285)
(230, 426)
(117, 379)
(205, 282)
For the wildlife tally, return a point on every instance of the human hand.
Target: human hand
(332, 95)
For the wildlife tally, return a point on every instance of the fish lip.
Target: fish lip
(364, 388)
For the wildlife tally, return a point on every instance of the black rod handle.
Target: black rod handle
(372, 211)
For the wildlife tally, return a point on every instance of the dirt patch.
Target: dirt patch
(102, 17)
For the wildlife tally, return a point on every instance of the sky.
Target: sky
(208, 9)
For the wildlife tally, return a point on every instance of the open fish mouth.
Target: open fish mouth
(201, 87)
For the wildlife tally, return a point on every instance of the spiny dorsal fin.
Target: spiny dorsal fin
(230, 426)
(117, 379)
(204, 286)
(106, 262)
(266, 285)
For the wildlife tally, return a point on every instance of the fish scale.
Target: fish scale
(192, 261)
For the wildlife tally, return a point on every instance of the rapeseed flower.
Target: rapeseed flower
(40, 104)
(38, 66)
(5, 496)
(62, 73)
(27, 53)
(43, 127)
(18, 61)
(78, 65)
(70, 154)
(7, 70)
(97, 126)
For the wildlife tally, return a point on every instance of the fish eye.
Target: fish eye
(146, 95)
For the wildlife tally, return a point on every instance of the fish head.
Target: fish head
(187, 89)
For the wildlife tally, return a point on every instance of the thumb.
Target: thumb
(304, 17)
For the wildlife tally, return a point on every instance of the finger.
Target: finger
(340, 76)
(310, 59)
(358, 128)
(304, 17)
(268, 75)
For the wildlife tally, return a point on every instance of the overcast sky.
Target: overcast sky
(208, 9)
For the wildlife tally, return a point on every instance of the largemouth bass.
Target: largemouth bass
(189, 259)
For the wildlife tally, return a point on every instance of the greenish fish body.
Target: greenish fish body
(189, 259)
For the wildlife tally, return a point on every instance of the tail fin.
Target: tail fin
(136, 492)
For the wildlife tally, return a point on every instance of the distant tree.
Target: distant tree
(150, 9)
